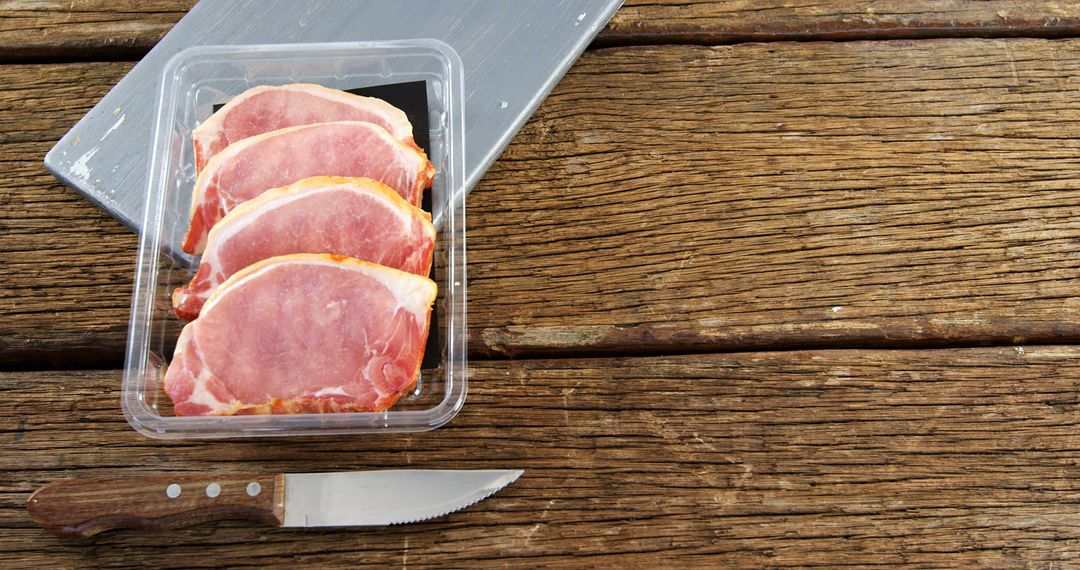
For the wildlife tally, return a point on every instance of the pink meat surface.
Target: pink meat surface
(355, 217)
(269, 108)
(256, 164)
(303, 334)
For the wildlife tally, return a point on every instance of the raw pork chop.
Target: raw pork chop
(357, 217)
(347, 148)
(303, 333)
(269, 108)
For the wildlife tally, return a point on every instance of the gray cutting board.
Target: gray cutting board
(513, 53)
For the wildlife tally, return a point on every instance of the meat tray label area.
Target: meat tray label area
(412, 98)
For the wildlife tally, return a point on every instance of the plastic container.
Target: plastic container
(195, 81)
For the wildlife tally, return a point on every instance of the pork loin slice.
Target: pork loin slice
(304, 333)
(346, 148)
(271, 107)
(356, 217)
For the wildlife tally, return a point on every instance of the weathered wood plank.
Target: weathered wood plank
(943, 458)
(880, 193)
(85, 29)
(797, 194)
(66, 268)
(711, 22)
(108, 28)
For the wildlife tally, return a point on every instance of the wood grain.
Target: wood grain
(925, 458)
(762, 195)
(751, 196)
(66, 268)
(87, 29)
(732, 21)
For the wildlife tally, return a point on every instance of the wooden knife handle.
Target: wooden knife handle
(85, 507)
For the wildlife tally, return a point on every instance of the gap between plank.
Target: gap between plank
(46, 364)
(54, 55)
(832, 35)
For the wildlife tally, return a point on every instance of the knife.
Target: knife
(85, 507)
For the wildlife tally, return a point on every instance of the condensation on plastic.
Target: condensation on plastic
(195, 80)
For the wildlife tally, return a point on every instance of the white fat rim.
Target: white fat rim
(335, 391)
(212, 124)
(402, 128)
(412, 292)
(225, 229)
(230, 152)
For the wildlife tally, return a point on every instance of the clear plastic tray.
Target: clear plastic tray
(196, 80)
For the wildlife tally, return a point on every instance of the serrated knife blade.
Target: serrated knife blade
(364, 498)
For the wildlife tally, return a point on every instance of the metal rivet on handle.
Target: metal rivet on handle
(213, 490)
(254, 488)
(173, 491)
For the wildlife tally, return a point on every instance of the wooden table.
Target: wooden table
(770, 303)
